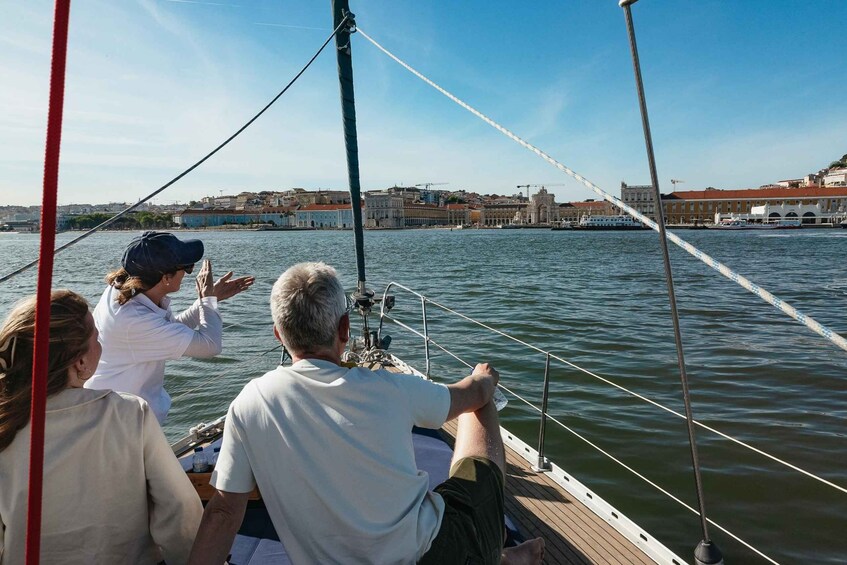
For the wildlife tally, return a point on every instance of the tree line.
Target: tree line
(132, 221)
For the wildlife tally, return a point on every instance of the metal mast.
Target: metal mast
(706, 553)
(363, 298)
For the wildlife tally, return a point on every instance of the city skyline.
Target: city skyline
(738, 95)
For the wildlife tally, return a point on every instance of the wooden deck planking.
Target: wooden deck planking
(572, 532)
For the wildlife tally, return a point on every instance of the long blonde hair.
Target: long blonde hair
(70, 331)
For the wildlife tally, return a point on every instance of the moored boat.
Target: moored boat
(618, 222)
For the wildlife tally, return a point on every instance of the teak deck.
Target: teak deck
(572, 533)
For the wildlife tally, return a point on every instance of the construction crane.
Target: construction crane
(426, 185)
(528, 186)
(675, 182)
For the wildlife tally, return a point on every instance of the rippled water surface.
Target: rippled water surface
(597, 300)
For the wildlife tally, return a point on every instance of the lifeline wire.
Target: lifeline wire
(186, 171)
(743, 281)
(607, 381)
(595, 446)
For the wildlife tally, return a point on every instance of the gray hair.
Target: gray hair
(307, 302)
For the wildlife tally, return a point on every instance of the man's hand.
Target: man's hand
(225, 287)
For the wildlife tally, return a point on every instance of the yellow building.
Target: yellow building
(503, 214)
(419, 214)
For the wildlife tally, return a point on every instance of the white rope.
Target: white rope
(616, 385)
(746, 283)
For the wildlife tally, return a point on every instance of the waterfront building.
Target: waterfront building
(475, 215)
(207, 218)
(502, 213)
(383, 210)
(416, 214)
(640, 197)
(573, 211)
(324, 216)
(458, 215)
(814, 205)
(542, 208)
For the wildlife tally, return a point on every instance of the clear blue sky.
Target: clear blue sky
(741, 93)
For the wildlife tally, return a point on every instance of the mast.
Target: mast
(363, 297)
(340, 11)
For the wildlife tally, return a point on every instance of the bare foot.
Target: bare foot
(528, 553)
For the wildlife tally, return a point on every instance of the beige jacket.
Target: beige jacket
(113, 490)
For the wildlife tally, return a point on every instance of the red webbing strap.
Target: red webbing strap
(45, 280)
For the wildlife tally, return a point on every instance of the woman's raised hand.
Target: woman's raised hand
(227, 287)
(205, 286)
(223, 288)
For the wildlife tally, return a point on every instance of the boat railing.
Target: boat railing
(544, 416)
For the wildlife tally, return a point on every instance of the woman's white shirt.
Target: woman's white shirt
(139, 336)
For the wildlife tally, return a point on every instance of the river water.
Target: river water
(598, 300)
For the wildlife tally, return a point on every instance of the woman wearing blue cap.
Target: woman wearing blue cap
(139, 332)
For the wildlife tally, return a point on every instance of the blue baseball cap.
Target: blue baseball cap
(154, 253)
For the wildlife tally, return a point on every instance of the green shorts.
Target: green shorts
(472, 529)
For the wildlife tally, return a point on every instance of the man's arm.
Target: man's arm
(221, 520)
(474, 391)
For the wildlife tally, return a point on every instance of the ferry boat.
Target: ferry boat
(618, 222)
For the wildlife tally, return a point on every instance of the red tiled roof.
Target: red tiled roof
(758, 193)
(456, 206)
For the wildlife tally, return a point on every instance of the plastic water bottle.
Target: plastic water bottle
(500, 400)
(215, 453)
(200, 463)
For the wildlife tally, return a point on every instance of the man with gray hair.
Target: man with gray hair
(330, 448)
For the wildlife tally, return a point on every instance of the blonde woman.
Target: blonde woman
(113, 490)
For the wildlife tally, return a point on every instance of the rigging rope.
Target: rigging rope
(114, 218)
(744, 282)
(38, 405)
